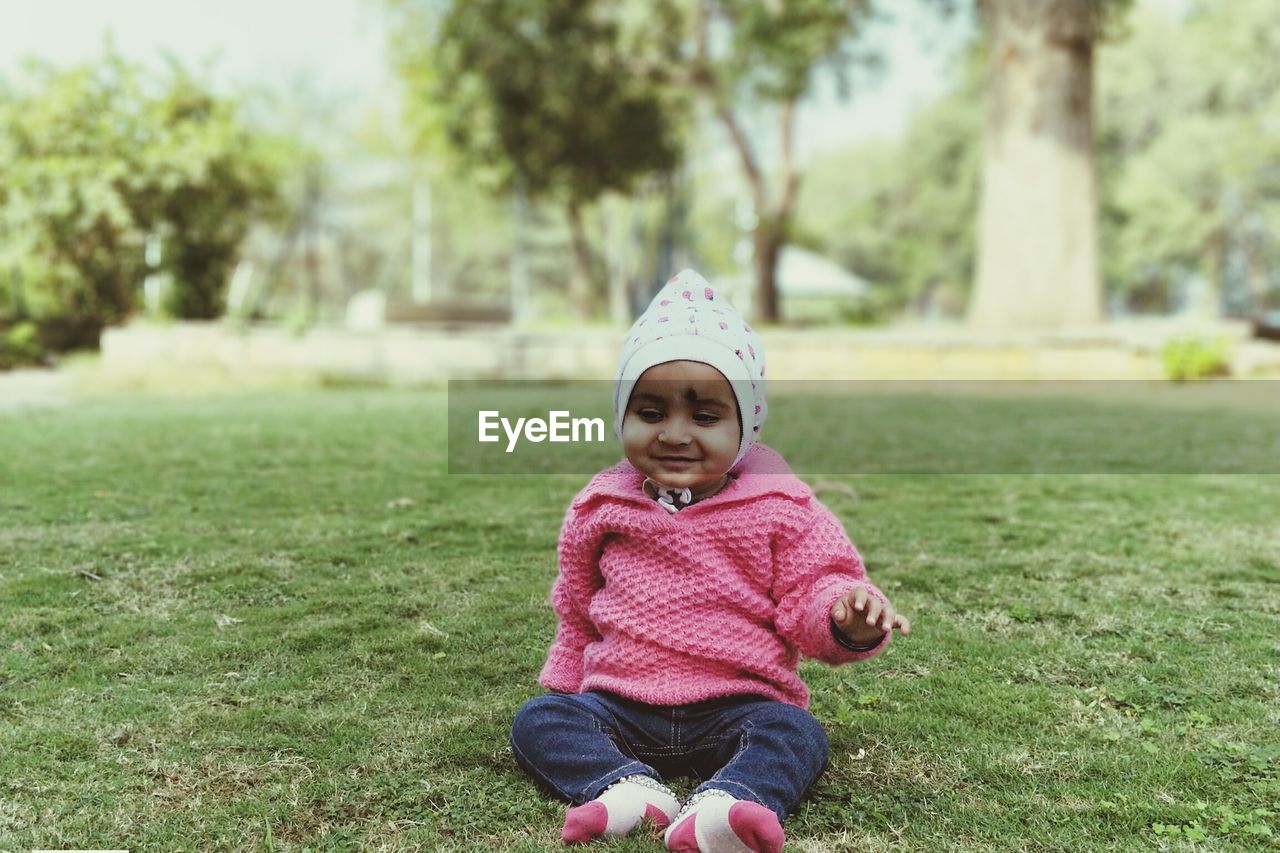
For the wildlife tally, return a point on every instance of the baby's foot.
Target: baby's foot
(716, 822)
(620, 809)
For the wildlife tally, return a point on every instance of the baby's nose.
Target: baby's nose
(675, 435)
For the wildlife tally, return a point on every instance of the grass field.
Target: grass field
(273, 622)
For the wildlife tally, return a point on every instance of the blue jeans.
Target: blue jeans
(576, 745)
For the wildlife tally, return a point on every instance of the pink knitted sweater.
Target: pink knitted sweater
(718, 599)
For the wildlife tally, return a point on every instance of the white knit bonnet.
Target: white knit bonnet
(689, 321)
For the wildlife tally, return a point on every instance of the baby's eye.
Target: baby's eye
(650, 415)
(706, 418)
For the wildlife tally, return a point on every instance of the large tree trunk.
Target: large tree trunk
(1255, 273)
(618, 258)
(767, 241)
(1037, 261)
(581, 292)
(771, 219)
(1206, 301)
(520, 252)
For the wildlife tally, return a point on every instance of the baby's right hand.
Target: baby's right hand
(848, 615)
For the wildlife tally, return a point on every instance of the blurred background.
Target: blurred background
(184, 180)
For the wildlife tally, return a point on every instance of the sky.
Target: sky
(340, 43)
(339, 48)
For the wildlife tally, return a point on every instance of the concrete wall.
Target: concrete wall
(418, 355)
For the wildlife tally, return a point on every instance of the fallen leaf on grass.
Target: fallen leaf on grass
(224, 621)
(427, 628)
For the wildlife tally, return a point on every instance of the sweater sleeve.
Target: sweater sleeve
(577, 582)
(814, 565)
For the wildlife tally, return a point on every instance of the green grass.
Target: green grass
(221, 627)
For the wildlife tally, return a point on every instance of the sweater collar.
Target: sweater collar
(761, 472)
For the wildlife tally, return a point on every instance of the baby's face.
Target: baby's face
(681, 424)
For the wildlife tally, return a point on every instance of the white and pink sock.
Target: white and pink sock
(620, 809)
(717, 822)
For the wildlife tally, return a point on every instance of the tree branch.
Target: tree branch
(749, 165)
(790, 174)
(703, 77)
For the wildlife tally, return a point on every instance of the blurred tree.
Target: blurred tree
(292, 254)
(559, 99)
(72, 252)
(1189, 172)
(1191, 146)
(902, 214)
(745, 53)
(1037, 261)
(574, 98)
(92, 161)
(207, 179)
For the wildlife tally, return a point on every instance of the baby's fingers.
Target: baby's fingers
(842, 611)
(888, 617)
(903, 624)
(874, 608)
(859, 598)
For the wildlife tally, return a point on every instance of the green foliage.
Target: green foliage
(875, 309)
(473, 238)
(561, 100)
(1195, 358)
(902, 215)
(1245, 826)
(211, 179)
(749, 53)
(94, 159)
(562, 93)
(20, 345)
(772, 49)
(1092, 20)
(571, 99)
(1188, 147)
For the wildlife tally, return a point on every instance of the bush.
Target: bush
(95, 159)
(1194, 358)
(20, 346)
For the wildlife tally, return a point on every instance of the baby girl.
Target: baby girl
(693, 576)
